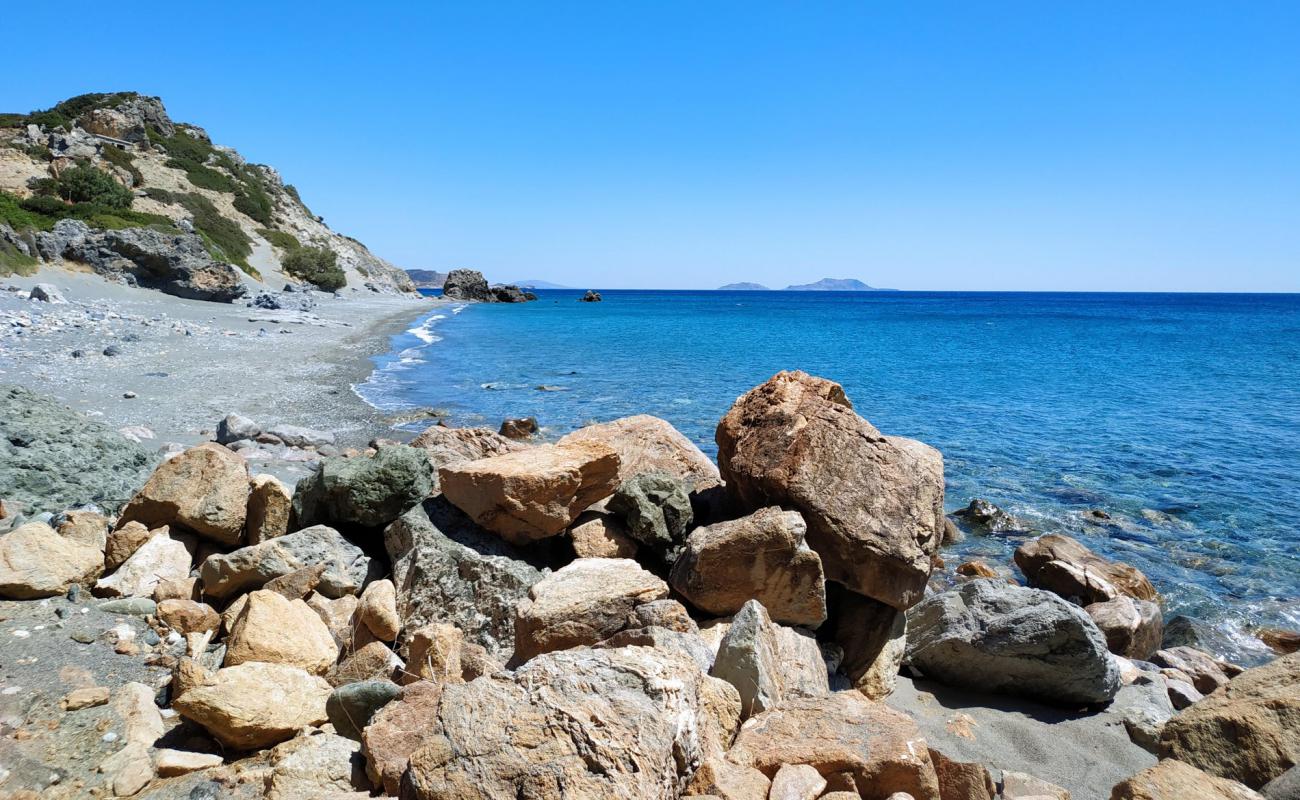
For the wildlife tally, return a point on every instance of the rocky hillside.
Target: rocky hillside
(112, 182)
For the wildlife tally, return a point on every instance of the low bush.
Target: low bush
(316, 265)
(20, 219)
(121, 158)
(87, 184)
(280, 239)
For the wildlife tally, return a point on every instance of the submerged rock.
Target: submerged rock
(1062, 565)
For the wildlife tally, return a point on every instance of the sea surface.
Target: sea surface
(1176, 414)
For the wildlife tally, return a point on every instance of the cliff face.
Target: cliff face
(244, 214)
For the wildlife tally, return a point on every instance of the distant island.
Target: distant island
(836, 285)
(536, 284)
(427, 278)
(744, 286)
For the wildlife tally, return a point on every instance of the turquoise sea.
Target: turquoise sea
(1177, 414)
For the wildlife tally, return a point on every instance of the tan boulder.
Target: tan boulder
(598, 535)
(397, 730)
(797, 782)
(434, 654)
(188, 616)
(873, 638)
(586, 601)
(534, 493)
(275, 630)
(170, 763)
(319, 766)
(962, 780)
(88, 528)
(255, 704)
(176, 589)
(1133, 628)
(123, 542)
(159, 559)
(1174, 780)
(843, 732)
(873, 503)
(338, 616)
(446, 447)
(370, 661)
(35, 561)
(85, 697)
(720, 778)
(1022, 786)
(648, 444)
(1061, 564)
(297, 584)
(759, 557)
(269, 505)
(378, 610)
(976, 568)
(205, 490)
(1248, 731)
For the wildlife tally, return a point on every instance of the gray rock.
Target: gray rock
(1284, 787)
(369, 492)
(52, 458)
(468, 284)
(225, 575)
(656, 509)
(235, 427)
(48, 293)
(985, 517)
(447, 569)
(295, 436)
(1143, 707)
(351, 706)
(997, 637)
(130, 606)
(767, 662)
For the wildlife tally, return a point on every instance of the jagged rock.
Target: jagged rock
(350, 707)
(236, 427)
(1249, 731)
(255, 704)
(369, 492)
(298, 584)
(435, 654)
(319, 766)
(532, 494)
(598, 535)
(753, 658)
(378, 610)
(1205, 672)
(873, 638)
(297, 436)
(447, 569)
(521, 428)
(159, 559)
(205, 490)
(873, 504)
(35, 561)
(269, 507)
(337, 615)
(188, 616)
(1062, 565)
(468, 284)
(985, 517)
(275, 630)
(52, 458)
(762, 557)
(446, 447)
(370, 661)
(591, 296)
(1174, 780)
(226, 574)
(647, 444)
(842, 732)
(48, 293)
(588, 600)
(398, 729)
(121, 543)
(1133, 628)
(656, 510)
(623, 722)
(996, 637)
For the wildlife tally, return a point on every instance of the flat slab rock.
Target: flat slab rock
(647, 444)
(225, 575)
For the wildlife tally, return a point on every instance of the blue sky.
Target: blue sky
(1027, 145)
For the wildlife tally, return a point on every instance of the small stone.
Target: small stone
(171, 763)
(88, 697)
(351, 707)
(378, 610)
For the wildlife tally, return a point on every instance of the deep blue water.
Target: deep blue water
(1177, 414)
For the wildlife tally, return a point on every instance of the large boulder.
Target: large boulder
(448, 446)
(535, 493)
(623, 722)
(841, 733)
(990, 635)
(367, 492)
(52, 458)
(755, 658)
(225, 575)
(276, 630)
(447, 569)
(255, 704)
(655, 509)
(319, 766)
(1174, 780)
(873, 503)
(1060, 564)
(469, 284)
(159, 559)
(759, 557)
(204, 489)
(351, 707)
(589, 600)
(35, 561)
(1248, 731)
(269, 508)
(1133, 628)
(648, 444)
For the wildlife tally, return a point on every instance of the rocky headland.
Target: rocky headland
(606, 615)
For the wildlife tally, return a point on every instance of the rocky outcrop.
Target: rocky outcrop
(761, 557)
(1174, 780)
(205, 490)
(366, 492)
(647, 444)
(255, 704)
(35, 561)
(591, 296)
(992, 636)
(1249, 731)
(535, 493)
(1060, 564)
(873, 504)
(468, 284)
(226, 574)
(986, 518)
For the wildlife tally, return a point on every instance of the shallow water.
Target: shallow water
(1179, 415)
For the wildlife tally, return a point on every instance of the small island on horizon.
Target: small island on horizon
(823, 285)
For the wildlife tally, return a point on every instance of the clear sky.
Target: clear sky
(926, 145)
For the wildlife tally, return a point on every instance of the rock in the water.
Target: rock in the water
(351, 707)
(269, 506)
(759, 557)
(873, 637)
(225, 575)
(1206, 672)
(647, 444)
(588, 600)
(985, 517)
(446, 447)
(873, 504)
(1248, 731)
(1062, 565)
(256, 704)
(753, 658)
(159, 559)
(521, 428)
(591, 296)
(1133, 628)
(447, 569)
(598, 535)
(236, 427)
(35, 561)
(205, 490)
(535, 493)
(275, 630)
(369, 492)
(997, 637)
(843, 732)
(1174, 780)
(378, 610)
(656, 510)
(623, 722)
(52, 458)
(469, 284)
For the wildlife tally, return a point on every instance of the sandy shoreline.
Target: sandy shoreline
(189, 362)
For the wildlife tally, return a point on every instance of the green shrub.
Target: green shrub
(282, 240)
(121, 158)
(20, 219)
(86, 184)
(45, 204)
(13, 120)
(44, 187)
(316, 265)
(253, 201)
(225, 239)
